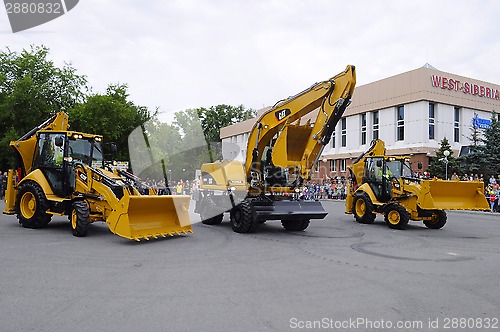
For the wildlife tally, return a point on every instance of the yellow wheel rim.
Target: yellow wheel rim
(394, 217)
(434, 219)
(28, 205)
(360, 207)
(73, 219)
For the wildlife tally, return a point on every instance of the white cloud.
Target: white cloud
(181, 54)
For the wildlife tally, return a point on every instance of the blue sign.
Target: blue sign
(480, 123)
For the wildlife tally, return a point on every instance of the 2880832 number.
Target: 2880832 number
(470, 323)
(33, 8)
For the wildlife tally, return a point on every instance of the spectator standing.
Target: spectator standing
(492, 198)
(492, 180)
(455, 176)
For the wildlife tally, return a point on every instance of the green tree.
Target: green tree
(475, 161)
(437, 166)
(217, 117)
(31, 88)
(490, 148)
(111, 115)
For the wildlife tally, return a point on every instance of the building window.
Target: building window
(363, 128)
(401, 123)
(333, 139)
(431, 120)
(456, 125)
(343, 133)
(333, 165)
(342, 165)
(375, 124)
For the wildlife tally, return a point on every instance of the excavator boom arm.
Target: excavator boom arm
(294, 145)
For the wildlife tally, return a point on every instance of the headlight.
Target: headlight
(232, 188)
(297, 190)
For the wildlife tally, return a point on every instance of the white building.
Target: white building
(412, 112)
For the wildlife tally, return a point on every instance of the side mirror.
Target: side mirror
(419, 165)
(59, 141)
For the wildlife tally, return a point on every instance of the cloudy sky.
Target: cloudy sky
(193, 53)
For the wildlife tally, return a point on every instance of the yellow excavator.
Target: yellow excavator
(381, 184)
(61, 172)
(281, 154)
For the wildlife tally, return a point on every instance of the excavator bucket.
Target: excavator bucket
(143, 217)
(453, 195)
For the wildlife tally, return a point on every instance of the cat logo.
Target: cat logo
(281, 114)
(83, 177)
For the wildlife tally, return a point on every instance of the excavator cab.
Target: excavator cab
(273, 175)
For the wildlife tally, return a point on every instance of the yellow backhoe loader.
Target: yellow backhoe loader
(381, 184)
(281, 154)
(61, 172)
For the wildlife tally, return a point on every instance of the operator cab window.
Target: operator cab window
(49, 154)
(86, 152)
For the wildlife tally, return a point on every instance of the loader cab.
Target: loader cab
(56, 154)
(377, 174)
(384, 173)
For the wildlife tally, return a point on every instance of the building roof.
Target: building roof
(419, 84)
(424, 83)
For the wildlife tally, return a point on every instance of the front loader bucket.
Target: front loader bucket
(453, 195)
(150, 216)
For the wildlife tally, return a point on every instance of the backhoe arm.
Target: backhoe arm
(24, 147)
(376, 149)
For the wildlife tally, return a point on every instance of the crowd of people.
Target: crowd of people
(180, 187)
(326, 189)
(492, 192)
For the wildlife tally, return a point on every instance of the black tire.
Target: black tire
(438, 220)
(363, 209)
(295, 225)
(242, 220)
(396, 216)
(79, 218)
(31, 205)
(207, 208)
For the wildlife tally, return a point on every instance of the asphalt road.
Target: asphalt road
(337, 274)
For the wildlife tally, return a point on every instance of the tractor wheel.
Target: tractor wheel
(438, 220)
(396, 216)
(295, 225)
(80, 218)
(207, 209)
(31, 206)
(242, 220)
(363, 209)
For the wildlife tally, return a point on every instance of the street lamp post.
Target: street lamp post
(326, 168)
(445, 160)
